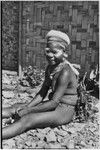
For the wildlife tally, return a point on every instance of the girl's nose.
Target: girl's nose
(48, 53)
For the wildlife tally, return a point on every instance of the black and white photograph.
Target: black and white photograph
(50, 75)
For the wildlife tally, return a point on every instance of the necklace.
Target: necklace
(53, 71)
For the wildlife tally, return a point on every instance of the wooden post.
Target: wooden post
(0, 74)
(20, 40)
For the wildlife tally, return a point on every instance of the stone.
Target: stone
(40, 144)
(55, 145)
(51, 136)
(10, 143)
(70, 144)
(82, 143)
(45, 130)
(28, 143)
(8, 94)
(6, 79)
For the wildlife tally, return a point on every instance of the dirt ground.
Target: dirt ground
(74, 135)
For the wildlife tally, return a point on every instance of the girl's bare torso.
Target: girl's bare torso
(71, 88)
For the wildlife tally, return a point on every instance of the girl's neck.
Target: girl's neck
(56, 68)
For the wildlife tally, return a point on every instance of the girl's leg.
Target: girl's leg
(38, 120)
(8, 111)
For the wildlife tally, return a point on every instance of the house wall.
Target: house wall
(79, 19)
(10, 34)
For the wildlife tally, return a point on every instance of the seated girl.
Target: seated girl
(61, 78)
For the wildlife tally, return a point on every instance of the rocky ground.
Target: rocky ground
(73, 135)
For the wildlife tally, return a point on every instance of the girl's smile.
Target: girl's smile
(54, 55)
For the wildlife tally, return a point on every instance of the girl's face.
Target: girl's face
(54, 54)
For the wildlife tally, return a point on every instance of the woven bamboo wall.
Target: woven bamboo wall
(79, 19)
(10, 34)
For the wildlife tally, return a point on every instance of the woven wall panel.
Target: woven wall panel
(10, 33)
(78, 19)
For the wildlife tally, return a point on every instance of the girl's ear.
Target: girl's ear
(65, 55)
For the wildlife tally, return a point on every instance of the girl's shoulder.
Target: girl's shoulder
(65, 68)
(60, 69)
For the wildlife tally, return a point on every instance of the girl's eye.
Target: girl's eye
(47, 50)
(55, 52)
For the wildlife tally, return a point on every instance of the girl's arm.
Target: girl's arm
(63, 80)
(42, 93)
(9, 111)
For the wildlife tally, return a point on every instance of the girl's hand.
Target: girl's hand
(7, 112)
(15, 114)
(22, 111)
(19, 105)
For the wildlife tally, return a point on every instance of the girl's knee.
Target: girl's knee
(26, 122)
(64, 118)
